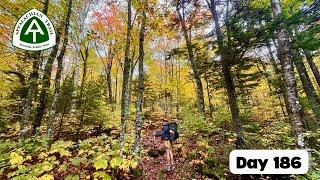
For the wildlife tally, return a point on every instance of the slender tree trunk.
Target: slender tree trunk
(178, 90)
(229, 84)
(109, 84)
(132, 67)
(277, 71)
(107, 69)
(139, 118)
(307, 84)
(209, 96)
(313, 66)
(53, 108)
(77, 62)
(196, 74)
(75, 79)
(284, 53)
(32, 81)
(108, 75)
(43, 99)
(116, 89)
(274, 63)
(233, 104)
(82, 100)
(125, 84)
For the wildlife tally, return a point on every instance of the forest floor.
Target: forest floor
(154, 167)
(198, 154)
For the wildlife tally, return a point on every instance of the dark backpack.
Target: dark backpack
(173, 126)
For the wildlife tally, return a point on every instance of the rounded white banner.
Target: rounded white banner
(269, 161)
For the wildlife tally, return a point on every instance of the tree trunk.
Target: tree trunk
(307, 85)
(107, 70)
(233, 104)
(196, 74)
(229, 84)
(125, 84)
(209, 96)
(295, 110)
(277, 72)
(43, 99)
(79, 39)
(108, 75)
(52, 112)
(132, 67)
(178, 90)
(82, 101)
(75, 80)
(116, 89)
(313, 66)
(139, 118)
(32, 81)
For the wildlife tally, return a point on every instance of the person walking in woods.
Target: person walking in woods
(168, 134)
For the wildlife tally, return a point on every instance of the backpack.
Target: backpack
(173, 126)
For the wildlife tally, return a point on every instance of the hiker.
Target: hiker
(169, 133)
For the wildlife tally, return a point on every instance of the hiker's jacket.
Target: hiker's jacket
(164, 133)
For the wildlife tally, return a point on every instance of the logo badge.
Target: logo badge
(34, 32)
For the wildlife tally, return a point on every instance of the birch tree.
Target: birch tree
(125, 82)
(53, 107)
(140, 88)
(285, 57)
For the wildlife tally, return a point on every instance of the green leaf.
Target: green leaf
(116, 162)
(76, 161)
(101, 164)
(72, 177)
(101, 174)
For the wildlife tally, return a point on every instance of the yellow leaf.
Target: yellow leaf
(133, 163)
(16, 159)
(46, 177)
(42, 155)
(81, 151)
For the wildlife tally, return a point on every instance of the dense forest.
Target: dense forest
(233, 74)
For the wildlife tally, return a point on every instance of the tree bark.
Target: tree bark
(79, 38)
(52, 112)
(277, 71)
(125, 83)
(43, 99)
(307, 84)
(285, 57)
(116, 89)
(32, 81)
(132, 67)
(229, 84)
(82, 101)
(139, 105)
(196, 74)
(209, 96)
(108, 71)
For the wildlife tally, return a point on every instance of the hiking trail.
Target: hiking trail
(154, 167)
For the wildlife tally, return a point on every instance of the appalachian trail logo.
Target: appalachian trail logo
(34, 32)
